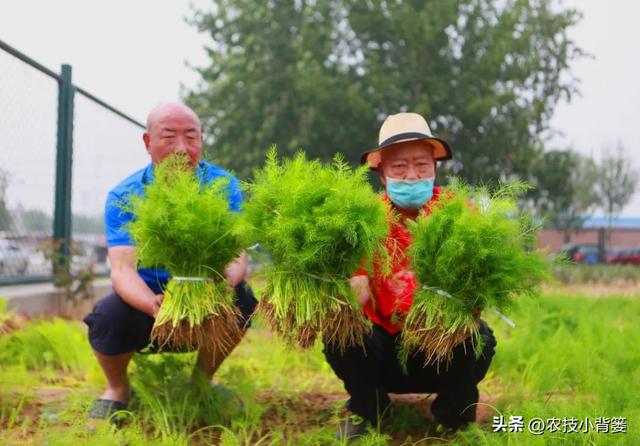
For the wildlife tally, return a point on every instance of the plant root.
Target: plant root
(219, 333)
(346, 328)
(437, 342)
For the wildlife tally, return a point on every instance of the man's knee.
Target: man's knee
(489, 339)
(488, 343)
(115, 327)
(347, 362)
(357, 361)
(246, 303)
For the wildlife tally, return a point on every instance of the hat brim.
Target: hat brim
(441, 149)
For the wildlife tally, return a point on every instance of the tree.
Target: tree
(36, 220)
(616, 182)
(564, 195)
(273, 78)
(6, 222)
(88, 224)
(322, 74)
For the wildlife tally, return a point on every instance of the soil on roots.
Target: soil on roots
(437, 343)
(346, 328)
(287, 328)
(218, 333)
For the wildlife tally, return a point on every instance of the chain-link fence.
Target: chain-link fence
(61, 150)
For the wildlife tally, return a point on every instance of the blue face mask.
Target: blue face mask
(409, 194)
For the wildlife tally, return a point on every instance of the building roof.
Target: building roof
(617, 223)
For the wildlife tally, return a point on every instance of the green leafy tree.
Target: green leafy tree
(565, 193)
(321, 75)
(616, 182)
(274, 78)
(6, 221)
(88, 224)
(36, 220)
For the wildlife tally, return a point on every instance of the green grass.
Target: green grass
(579, 273)
(570, 356)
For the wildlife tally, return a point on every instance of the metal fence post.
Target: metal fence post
(64, 158)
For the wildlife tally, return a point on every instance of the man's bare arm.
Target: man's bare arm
(128, 283)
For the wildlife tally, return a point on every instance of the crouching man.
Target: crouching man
(406, 162)
(121, 323)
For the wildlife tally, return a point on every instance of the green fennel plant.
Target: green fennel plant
(475, 250)
(318, 221)
(189, 229)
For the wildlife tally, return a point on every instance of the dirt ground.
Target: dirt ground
(617, 288)
(306, 411)
(295, 412)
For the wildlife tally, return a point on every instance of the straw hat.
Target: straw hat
(404, 127)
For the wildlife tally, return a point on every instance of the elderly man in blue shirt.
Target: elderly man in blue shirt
(120, 324)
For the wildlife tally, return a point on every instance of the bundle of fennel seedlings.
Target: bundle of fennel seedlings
(475, 250)
(188, 229)
(318, 221)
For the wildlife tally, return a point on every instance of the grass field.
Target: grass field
(570, 359)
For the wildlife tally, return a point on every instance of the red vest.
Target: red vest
(393, 294)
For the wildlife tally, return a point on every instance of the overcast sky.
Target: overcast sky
(133, 54)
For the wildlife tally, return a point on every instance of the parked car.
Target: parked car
(629, 256)
(612, 254)
(14, 260)
(583, 253)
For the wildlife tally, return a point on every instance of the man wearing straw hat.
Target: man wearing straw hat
(121, 323)
(406, 160)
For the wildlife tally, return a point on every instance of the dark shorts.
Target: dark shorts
(115, 327)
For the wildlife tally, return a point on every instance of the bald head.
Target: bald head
(173, 128)
(165, 109)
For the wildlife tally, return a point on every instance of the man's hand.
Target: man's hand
(154, 305)
(236, 271)
(360, 284)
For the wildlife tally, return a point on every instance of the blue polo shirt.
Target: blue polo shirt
(116, 219)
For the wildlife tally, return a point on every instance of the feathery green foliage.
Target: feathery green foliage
(188, 228)
(474, 250)
(318, 222)
(54, 344)
(8, 319)
(541, 369)
(183, 225)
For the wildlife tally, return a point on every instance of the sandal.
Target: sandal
(103, 409)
